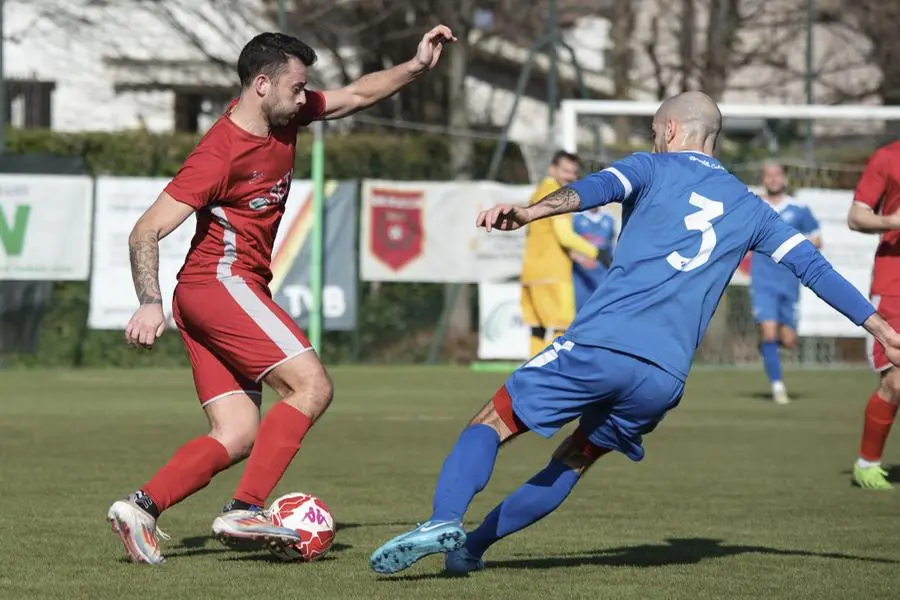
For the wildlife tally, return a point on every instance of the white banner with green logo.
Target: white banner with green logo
(45, 227)
(502, 335)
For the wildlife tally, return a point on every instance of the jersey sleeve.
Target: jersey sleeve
(622, 180)
(774, 237)
(313, 110)
(872, 184)
(568, 239)
(203, 176)
(787, 246)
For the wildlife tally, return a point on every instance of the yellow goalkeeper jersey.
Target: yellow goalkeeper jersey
(547, 244)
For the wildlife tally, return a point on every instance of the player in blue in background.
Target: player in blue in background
(774, 291)
(687, 223)
(599, 229)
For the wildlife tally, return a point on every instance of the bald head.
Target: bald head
(688, 121)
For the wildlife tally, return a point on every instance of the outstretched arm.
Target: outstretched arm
(616, 183)
(562, 201)
(817, 274)
(785, 245)
(509, 217)
(374, 87)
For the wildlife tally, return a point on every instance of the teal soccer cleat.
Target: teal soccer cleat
(404, 550)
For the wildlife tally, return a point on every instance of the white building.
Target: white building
(101, 65)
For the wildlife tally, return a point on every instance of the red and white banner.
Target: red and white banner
(425, 231)
(396, 230)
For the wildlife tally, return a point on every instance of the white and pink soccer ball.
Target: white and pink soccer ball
(309, 517)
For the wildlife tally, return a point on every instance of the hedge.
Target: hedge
(395, 324)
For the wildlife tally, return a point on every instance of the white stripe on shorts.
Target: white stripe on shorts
(263, 316)
(253, 394)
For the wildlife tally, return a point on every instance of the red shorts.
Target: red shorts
(889, 308)
(235, 334)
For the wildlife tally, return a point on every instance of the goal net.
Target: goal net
(822, 149)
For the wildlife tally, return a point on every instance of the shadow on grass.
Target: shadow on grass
(270, 558)
(767, 396)
(675, 551)
(893, 473)
(197, 546)
(342, 526)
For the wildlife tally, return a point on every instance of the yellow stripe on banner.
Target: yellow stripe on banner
(296, 237)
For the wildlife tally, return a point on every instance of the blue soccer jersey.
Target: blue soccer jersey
(599, 229)
(686, 224)
(768, 275)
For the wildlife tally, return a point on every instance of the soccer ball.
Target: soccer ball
(308, 516)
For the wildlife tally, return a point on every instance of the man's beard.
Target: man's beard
(278, 118)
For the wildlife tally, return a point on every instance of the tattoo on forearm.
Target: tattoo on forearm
(144, 253)
(563, 200)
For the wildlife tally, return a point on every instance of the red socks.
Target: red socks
(277, 441)
(879, 417)
(190, 469)
(193, 465)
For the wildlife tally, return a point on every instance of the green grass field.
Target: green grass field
(736, 498)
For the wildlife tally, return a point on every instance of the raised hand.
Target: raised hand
(431, 46)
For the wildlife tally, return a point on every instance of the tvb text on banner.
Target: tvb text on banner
(291, 257)
(45, 227)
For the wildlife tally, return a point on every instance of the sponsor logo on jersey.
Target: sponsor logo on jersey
(276, 195)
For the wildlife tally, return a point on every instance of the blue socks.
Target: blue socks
(771, 360)
(466, 471)
(537, 498)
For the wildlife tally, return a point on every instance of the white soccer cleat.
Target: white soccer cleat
(137, 530)
(780, 395)
(240, 528)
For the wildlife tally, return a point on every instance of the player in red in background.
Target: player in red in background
(236, 181)
(876, 209)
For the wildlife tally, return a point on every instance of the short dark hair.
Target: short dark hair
(268, 53)
(563, 155)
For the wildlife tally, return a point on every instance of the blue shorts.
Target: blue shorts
(771, 305)
(619, 397)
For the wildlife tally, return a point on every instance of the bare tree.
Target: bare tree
(709, 44)
(876, 21)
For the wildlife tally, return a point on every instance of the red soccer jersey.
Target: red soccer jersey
(879, 189)
(238, 183)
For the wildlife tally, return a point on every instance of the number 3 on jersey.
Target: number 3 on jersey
(699, 221)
